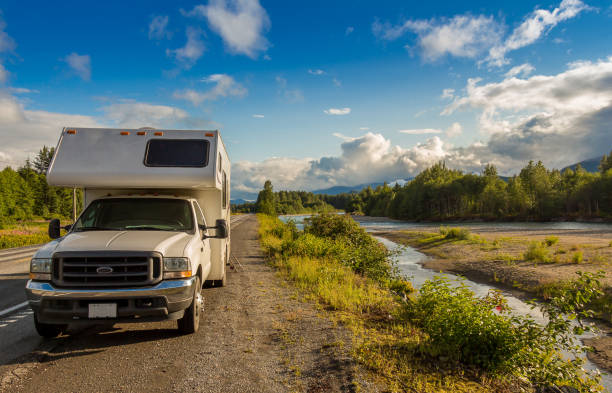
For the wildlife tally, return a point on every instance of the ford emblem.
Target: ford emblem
(104, 270)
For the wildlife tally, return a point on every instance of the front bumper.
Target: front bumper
(166, 300)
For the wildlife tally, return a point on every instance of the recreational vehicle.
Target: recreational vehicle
(153, 231)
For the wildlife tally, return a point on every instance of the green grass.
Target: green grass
(551, 240)
(445, 339)
(537, 252)
(578, 257)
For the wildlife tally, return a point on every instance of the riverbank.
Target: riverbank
(498, 256)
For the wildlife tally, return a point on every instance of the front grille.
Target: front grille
(106, 269)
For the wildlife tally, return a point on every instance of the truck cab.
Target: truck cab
(153, 231)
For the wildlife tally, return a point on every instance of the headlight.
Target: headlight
(40, 265)
(177, 268)
(40, 269)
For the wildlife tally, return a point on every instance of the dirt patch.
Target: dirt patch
(255, 336)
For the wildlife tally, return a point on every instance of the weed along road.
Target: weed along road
(254, 337)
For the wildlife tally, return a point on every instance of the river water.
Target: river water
(409, 260)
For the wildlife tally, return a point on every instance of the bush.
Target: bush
(457, 233)
(577, 257)
(536, 252)
(483, 331)
(551, 240)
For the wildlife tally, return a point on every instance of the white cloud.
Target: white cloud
(522, 70)
(23, 132)
(364, 128)
(316, 72)
(337, 111)
(421, 131)
(472, 36)
(448, 93)
(460, 36)
(536, 24)
(158, 28)
(258, 116)
(225, 86)
(194, 48)
(336, 82)
(240, 23)
(80, 65)
(21, 90)
(134, 114)
(454, 130)
(349, 30)
(559, 118)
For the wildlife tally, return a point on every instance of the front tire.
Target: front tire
(191, 320)
(47, 330)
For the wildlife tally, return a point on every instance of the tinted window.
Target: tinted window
(137, 214)
(177, 152)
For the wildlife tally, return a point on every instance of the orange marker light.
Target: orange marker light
(124, 133)
(159, 133)
(141, 133)
(209, 134)
(71, 132)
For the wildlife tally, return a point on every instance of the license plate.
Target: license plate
(103, 310)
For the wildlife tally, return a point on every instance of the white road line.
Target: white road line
(3, 325)
(11, 309)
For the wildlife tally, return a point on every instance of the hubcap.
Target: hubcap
(199, 303)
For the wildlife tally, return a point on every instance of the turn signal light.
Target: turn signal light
(171, 275)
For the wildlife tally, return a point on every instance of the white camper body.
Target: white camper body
(137, 167)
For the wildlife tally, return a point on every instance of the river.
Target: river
(409, 260)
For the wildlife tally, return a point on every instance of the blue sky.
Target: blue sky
(317, 94)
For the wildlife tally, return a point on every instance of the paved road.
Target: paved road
(17, 333)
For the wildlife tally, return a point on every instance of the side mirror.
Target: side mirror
(222, 231)
(54, 228)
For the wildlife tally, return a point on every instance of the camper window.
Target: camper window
(224, 196)
(177, 153)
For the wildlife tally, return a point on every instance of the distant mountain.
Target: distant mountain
(590, 165)
(240, 201)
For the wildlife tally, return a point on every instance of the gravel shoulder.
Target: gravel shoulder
(256, 335)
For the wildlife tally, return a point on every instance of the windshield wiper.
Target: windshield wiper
(146, 228)
(96, 229)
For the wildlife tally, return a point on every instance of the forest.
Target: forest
(285, 202)
(536, 193)
(25, 194)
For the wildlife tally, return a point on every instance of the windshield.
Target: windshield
(155, 214)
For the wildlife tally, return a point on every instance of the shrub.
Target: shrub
(536, 252)
(551, 240)
(577, 257)
(457, 233)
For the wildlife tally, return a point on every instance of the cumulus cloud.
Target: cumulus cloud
(80, 65)
(478, 36)
(134, 114)
(454, 130)
(448, 93)
(158, 28)
(367, 158)
(7, 44)
(225, 86)
(240, 23)
(522, 70)
(460, 36)
(337, 111)
(535, 25)
(559, 118)
(40, 127)
(194, 48)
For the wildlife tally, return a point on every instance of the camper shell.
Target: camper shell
(134, 167)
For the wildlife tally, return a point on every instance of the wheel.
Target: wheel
(47, 330)
(191, 320)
